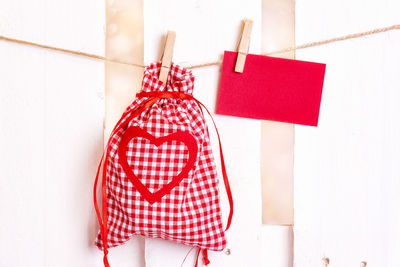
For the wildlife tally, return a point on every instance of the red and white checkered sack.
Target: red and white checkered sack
(159, 173)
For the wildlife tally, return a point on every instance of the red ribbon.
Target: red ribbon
(152, 97)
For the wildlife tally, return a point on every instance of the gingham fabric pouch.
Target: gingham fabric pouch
(159, 174)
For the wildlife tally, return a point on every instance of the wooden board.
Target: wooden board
(346, 170)
(277, 139)
(124, 41)
(51, 115)
(201, 36)
(53, 111)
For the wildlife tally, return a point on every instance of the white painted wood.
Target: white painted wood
(76, 25)
(51, 139)
(319, 20)
(204, 29)
(52, 111)
(277, 245)
(346, 170)
(124, 41)
(51, 115)
(277, 138)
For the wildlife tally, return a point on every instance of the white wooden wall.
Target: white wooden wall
(51, 133)
(347, 174)
(52, 111)
(51, 136)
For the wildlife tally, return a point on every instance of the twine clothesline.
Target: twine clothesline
(215, 63)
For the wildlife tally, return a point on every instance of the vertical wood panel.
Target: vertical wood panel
(204, 30)
(72, 147)
(22, 183)
(277, 147)
(277, 139)
(346, 170)
(124, 42)
(51, 133)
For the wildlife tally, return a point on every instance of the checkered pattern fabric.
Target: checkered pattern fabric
(156, 165)
(190, 212)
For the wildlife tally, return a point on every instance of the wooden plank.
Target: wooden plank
(74, 112)
(51, 134)
(23, 179)
(277, 139)
(124, 41)
(277, 148)
(346, 170)
(202, 35)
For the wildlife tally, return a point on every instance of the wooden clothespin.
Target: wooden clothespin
(325, 261)
(166, 57)
(243, 48)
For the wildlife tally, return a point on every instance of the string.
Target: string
(187, 254)
(215, 63)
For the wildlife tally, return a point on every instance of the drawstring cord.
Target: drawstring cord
(205, 256)
(104, 159)
(123, 121)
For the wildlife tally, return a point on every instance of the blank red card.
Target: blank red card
(271, 88)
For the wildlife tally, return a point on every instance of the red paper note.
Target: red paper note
(271, 88)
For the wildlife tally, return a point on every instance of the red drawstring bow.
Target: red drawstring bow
(152, 97)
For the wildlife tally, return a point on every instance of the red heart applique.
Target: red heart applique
(179, 136)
